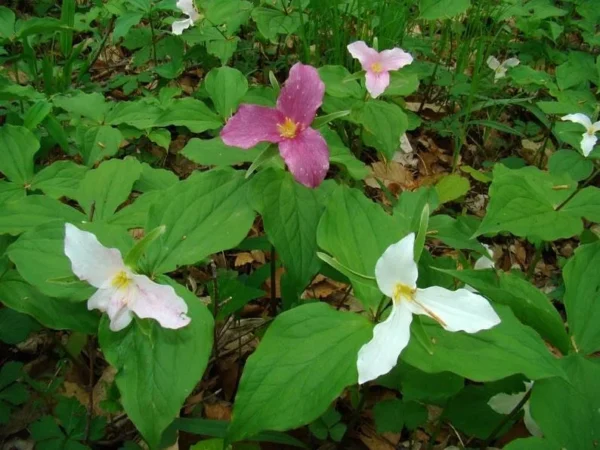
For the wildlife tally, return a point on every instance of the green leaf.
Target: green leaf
(234, 294)
(226, 87)
(57, 314)
(338, 83)
(36, 114)
(11, 192)
(507, 349)
(15, 326)
(567, 410)
(205, 214)
(190, 113)
(19, 146)
(139, 114)
(572, 163)
(386, 122)
(7, 23)
(341, 155)
(582, 298)
(456, 233)
(528, 303)
(389, 416)
(92, 106)
(134, 255)
(38, 25)
(60, 179)
(213, 152)
(135, 215)
(524, 202)
(411, 204)
(291, 214)
(98, 143)
(271, 22)
(283, 386)
(124, 23)
(442, 9)
(356, 232)
(402, 83)
(530, 443)
(452, 187)
(34, 210)
(105, 188)
(152, 179)
(158, 368)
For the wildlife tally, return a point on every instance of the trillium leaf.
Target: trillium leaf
(19, 145)
(572, 163)
(341, 155)
(60, 179)
(282, 389)
(338, 82)
(157, 368)
(213, 152)
(226, 87)
(457, 233)
(582, 298)
(386, 123)
(99, 142)
(190, 113)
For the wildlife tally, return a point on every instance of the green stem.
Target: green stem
(154, 57)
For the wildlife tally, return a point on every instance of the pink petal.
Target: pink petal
(365, 54)
(377, 83)
(250, 125)
(394, 59)
(307, 157)
(302, 94)
(159, 302)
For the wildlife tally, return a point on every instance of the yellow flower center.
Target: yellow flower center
(591, 131)
(121, 280)
(402, 291)
(288, 129)
(376, 67)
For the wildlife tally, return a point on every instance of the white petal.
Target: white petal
(587, 143)
(101, 299)
(377, 83)
(121, 320)
(397, 265)
(90, 260)
(505, 403)
(160, 302)
(579, 118)
(180, 25)
(365, 54)
(188, 8)
(458, 310)
(596, 126)
(500, 73)
(485, 262)
(530, 424)
(493, 63)
(511, 62)
(378, 356)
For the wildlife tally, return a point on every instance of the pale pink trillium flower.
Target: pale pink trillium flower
(288, 124)
(500, 68)
(188, 8)
(589, 137)
(378, 65)
(396, 273)
(506, 403)
(121, 293)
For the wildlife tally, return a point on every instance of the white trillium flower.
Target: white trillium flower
(589, 137)
(506, 403)
(121, 293)
(188, 8)
(396, 273)
(501, 68)
(482, 263)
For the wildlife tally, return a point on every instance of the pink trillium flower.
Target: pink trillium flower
(121, 293)
(378, 65)
(288, 124)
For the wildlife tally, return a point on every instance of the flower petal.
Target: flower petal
(394, 59)
(505, 403)
(252, 124)
(596, 126)
(530, 424)
(90, 260)
(307, 157)
(458, 310)
(511, 62)
(365, 54)
(188, 8)
(397, 265)
(485, 262)
(493, 63)
(587, 143)
(500, 73)
(179, 26)
(101, 299)
(302, 94)
(377, 83)
(378, 356)
(579, 118)
(159, 302)
(121, 319)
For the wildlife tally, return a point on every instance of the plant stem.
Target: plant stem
(510, 416)
(154, 57)
(579, 188)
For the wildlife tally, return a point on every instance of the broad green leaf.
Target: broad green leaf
(60, 179)
(234, 294)
(283, 386)
(291, 214)
(139, 114)
(152, 179)
(572, 163)
(190, 113)
(223, 48)
(582, 298)
(105, 188)
(386, 122)
(19, 145)
(507, 349)
(389, 416)
(98, 143)
(567, 410)
(29, 212)
(92, 106)
(161, 137)
(356, 232)
(452, 187)
(442, 9)
(11, 192)
(204, 214)
(457, 233)
(213, 152)
(531, 443)
(7, 23)
(58, 314)
(38, 25)
(158, 368)
(524, 202)
(36, 114)
(135, 215)
(226, 87)
(15, 326)
(271, 22)
(124, 23)
(338, 82)
(402, 83)
(411, 204)
(341, 155)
